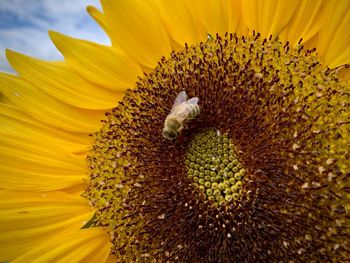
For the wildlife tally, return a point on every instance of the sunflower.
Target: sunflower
(259, 174)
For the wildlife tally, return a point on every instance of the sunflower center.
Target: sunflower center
(212, 164)
(230, 184)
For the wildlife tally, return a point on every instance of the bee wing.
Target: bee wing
(193, 100)
(182, 97)
(181, 112)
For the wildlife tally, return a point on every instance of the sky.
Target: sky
(24, 26)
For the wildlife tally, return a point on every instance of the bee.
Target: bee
(183, 110)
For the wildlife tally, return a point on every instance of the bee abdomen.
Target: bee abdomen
(194, 111)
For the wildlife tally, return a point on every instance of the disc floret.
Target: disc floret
(213, 165)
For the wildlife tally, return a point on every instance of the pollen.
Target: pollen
(213, 165)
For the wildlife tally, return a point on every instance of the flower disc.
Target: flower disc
(281, 118)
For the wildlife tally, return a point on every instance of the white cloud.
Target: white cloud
(24, 25)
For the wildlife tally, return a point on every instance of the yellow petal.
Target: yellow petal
(87, 245)
(138, 30)
(59, 81)
(41, 152)
(76, 190)
(100, 64)
(18, 179)
(4, 99)
(305, 22)
(334, 39)
(268, 17)
(15, 122)
(218, 16)
(28, 220)
(47, 109)
(182, 26)
(99, 18)
(38, 167)
(344, 74)
(111, 259)
(312, 42)
(235, 20)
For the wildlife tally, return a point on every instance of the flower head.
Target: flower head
(260, 174)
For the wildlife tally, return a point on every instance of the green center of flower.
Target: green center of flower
(212, 164)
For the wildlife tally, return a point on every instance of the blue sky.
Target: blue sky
(24, 25)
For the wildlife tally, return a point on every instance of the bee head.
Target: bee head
(169, 135)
